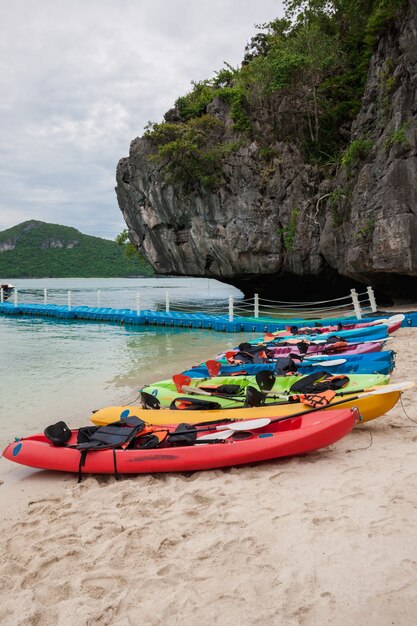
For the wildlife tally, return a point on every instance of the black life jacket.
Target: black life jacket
(223, 390)
(184, 403)
(303, 346)
(334, 339)
(285, 365)
(319, 381)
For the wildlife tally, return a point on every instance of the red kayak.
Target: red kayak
(278, 438)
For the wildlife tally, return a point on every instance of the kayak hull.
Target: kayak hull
(280, 439)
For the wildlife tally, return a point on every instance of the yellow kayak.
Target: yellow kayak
(371, 404)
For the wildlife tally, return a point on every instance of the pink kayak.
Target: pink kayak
(329, 348)
(393, 323)
(340, 348)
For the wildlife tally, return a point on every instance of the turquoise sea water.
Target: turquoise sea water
(53, 369)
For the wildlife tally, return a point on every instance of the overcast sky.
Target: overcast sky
(80, 79)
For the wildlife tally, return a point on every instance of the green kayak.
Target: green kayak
(228, 392)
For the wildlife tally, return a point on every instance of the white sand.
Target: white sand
(329, 538)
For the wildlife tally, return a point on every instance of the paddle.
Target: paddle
(225, 430)
(181, 383)
(314, 342)
(393, 319)
(353, 343)
(213, 367)
(228, 428)
(399, 317)
(180, 380)
(215, 370)
(253, 424)
(383, 390)
(264, 421)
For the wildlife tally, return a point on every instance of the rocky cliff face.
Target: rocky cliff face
(282, 227)
(370, 233)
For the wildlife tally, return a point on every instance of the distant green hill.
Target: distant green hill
(35, 249)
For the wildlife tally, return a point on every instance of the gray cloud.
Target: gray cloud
(80, 79)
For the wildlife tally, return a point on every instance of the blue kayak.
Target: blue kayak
(372, 363)
(356, 335)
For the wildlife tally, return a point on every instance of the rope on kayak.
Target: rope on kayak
(365, 447)
(405, 412)
(132, 401)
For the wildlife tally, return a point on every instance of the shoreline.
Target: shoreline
(327, 538)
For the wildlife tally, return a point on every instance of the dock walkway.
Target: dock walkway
(196, 320)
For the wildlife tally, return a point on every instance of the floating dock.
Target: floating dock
(176, 319)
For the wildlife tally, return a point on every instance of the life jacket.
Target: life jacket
(337, 346)
(302, 346)
(151, 439)
(319, 381)
(285, 366)
(238, 358)
(183, 435)
(318, 400)
(334, 339)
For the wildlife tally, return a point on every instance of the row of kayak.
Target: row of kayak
(250, 404)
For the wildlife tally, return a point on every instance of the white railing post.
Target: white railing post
(15, 296)
(69, 300)
(98, 298)
(45, 296)
(230, 309)
(138, 303)
(167, 301)
(256, 304)
(372, 300)
(356, 304)
(1, 295)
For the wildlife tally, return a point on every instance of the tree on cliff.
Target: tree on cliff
(315, 59)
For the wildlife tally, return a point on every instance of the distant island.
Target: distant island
(35, 249)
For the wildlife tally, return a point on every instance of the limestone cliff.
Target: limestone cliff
(279, 225)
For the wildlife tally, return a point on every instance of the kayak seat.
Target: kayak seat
(58, 434)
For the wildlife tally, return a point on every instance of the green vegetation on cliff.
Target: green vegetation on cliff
(38, 250)
(301, 80)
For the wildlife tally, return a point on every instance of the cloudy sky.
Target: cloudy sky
(80, 79)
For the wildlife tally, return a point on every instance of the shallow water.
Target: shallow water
(55, 369)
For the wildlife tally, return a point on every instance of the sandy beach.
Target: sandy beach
(328, 538)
